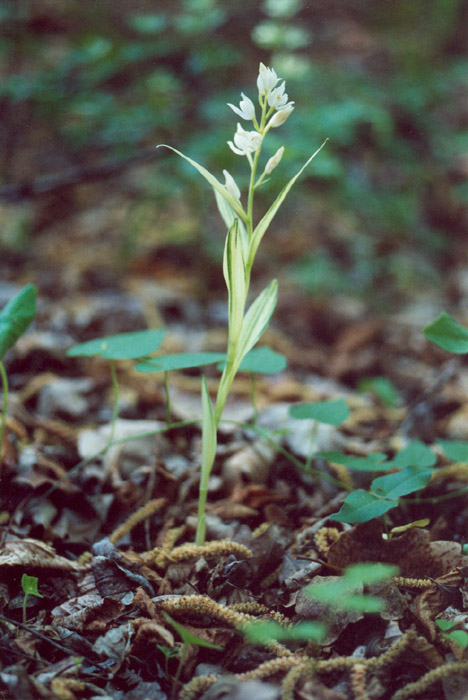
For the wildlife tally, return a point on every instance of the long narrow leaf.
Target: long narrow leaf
(263, 225)
(215, 184)
(257, 319)
(234, 274)
(229, 216)
(208, 432)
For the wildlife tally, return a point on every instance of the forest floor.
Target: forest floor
(110, 537)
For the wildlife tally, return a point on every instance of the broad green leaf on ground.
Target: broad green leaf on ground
(456, 450)
(215, 184)
(330, 412)
(122, 346)
(369, 573)
(257, 319)
(361, 506)
(265, 222)
(262, 360)
(402, 483)
(178, 361)
(458, 636)
(16, 316)
(373, 462)
(448, 334)
(415, 454)
(265, 631)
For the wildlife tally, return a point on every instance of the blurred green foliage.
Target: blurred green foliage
(385, 82)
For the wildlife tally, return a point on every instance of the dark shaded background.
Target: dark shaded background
(89, 88)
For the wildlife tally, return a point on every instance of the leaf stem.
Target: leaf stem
(4, 407)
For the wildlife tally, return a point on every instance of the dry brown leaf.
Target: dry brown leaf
(33, 553)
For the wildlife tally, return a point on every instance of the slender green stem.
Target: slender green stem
(115, 402)
(4, 406)
(253, 396)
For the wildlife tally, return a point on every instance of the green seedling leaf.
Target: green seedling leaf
(262, 360)
(446, 624)
(178, 361)
(264, 632)
(369, 573)
(215, 184)
(188, 637)
(234, 275)
(362, 603)
(456, 450)
(257, 319)
(29, 585)
(383, 388)
(361, 506)
(402, 483)
(122, 346)
(330, 412)
(374, 462)
(448, 334)
(415, 454)
(16, 316)
(265, 222)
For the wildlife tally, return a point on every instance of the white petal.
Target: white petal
(238, 111)
(236, 150)
(281, 115)
(274, 160)
(231, 185)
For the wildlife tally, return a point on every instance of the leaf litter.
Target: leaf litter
(109, 532)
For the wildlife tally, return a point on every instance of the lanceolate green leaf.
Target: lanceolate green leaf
(122, 346)
(257, 319)
(402, 483)
(229, 216)
(234, 274)
(215, 184)
(16, 316)
(178, 361)
(361, 506)
(188, 637)
(208, 432)
(448, 334)
(264, 223)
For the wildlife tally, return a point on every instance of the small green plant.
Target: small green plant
(414, 466)
(332, 412)
(29, 586)
(448, 334)
(188, 639)
(460, 636)
(342, 594)
(15, 318)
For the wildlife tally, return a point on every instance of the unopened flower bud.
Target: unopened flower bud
(274, 160)
(231, 185)
(266, 80)
(281, 115)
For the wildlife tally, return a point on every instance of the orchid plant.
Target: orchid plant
(242, 242)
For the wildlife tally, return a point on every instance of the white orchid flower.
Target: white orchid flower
(231, 185)
(281, 115)
(277, 98)
(266, 80)
(246, 108)
(274, 160)
(245, 141)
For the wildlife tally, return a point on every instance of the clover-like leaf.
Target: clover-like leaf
(448, 334)
(361, 506)
(331, 412)
(121, 346)
(179, 361)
